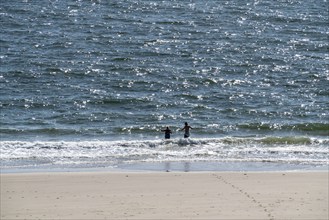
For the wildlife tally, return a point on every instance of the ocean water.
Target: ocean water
(90, 84)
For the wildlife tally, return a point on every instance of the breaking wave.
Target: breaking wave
(298, 150)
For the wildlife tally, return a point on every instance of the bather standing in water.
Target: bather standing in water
(187, 130)
(167, 133)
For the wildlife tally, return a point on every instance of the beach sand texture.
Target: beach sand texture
(173, 195)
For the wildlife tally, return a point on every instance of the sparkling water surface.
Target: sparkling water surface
(94, 82)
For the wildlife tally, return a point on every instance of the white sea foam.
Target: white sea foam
(300, 150)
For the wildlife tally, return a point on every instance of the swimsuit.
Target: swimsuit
(167, 134)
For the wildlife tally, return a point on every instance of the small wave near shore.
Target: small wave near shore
(95, 154)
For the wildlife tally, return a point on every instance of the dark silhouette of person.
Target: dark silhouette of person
(167, 132)
(187, 130)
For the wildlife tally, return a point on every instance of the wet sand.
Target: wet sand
(160, 195)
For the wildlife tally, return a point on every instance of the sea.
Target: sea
(90, 85)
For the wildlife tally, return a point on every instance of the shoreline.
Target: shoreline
(174, 166)
(165, 195)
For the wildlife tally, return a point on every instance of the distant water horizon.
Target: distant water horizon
(92, 84)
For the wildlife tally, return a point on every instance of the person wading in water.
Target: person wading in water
(187, 130)
(167, 132)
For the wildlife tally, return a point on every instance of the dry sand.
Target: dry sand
(218, 195)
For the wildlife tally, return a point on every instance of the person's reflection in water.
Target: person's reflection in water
(187, 167)
(167, 166)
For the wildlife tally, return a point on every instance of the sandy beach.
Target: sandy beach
(172, 195)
